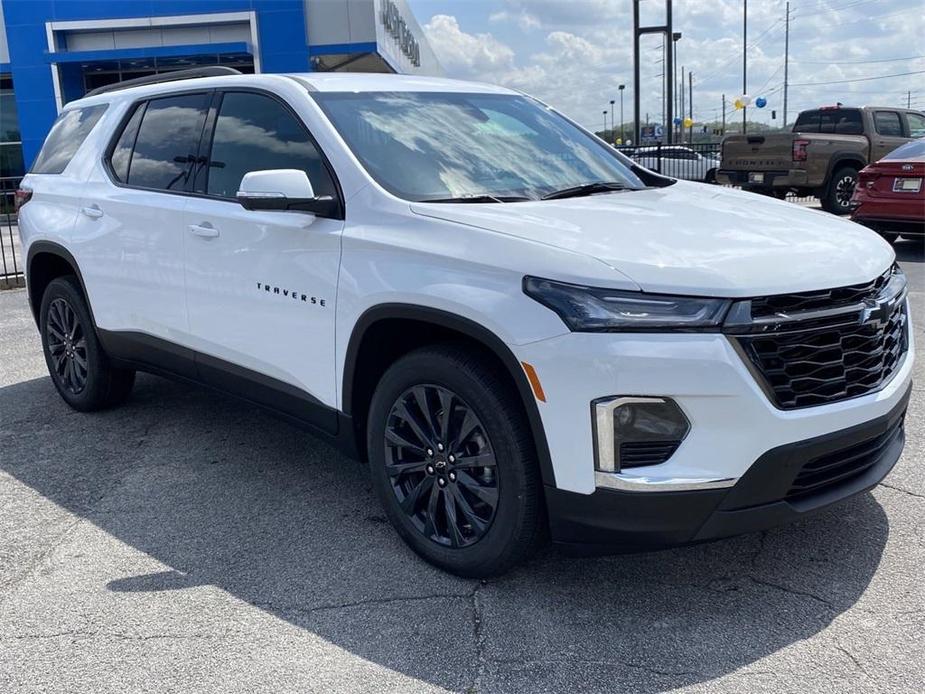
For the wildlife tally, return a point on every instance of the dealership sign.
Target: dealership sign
(395, 24)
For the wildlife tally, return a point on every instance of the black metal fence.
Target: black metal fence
(11, 266)
(692, 161)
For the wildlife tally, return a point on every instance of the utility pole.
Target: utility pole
(681, 112)
(690, 106)
(724, 114)
(786, 59)
(744, 62)
(909, 99)
(612, 137)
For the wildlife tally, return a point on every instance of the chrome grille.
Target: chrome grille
(822, 350)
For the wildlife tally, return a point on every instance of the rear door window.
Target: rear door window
(167, 142)
(65, 138)
(888, 123)
(916, 123)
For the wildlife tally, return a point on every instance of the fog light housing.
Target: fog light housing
(631, 431)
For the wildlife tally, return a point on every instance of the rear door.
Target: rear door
(888, 133)
(261, 284)
(132, 219)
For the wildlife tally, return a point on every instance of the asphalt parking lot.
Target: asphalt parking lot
(188, 542)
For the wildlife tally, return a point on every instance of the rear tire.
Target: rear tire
(453, 462)
(837, 198)
(78, 366)
(710, 177)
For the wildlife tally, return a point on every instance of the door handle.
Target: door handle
(206, 231)
(93, 212)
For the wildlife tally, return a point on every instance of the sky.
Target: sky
(573, 54)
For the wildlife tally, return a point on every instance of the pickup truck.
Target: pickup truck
(823, 154)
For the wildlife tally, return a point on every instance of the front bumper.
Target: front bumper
(770, 493)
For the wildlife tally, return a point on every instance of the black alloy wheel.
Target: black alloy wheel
(67, 346)
(453, 462)
(441, 465)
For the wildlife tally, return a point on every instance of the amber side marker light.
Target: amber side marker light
(534, 381)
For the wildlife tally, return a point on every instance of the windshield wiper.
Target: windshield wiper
(585, 189)
(482, 198)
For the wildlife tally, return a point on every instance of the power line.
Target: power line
(858, 79)
(857, 62)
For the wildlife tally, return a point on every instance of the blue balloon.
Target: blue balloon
(677, 121)
(761, 102)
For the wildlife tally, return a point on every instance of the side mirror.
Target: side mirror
(283, 189)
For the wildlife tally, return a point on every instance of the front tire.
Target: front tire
(453, 463)
(79, 368)
(837, 198)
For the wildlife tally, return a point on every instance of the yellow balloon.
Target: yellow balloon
(738, 104)
(688, 122)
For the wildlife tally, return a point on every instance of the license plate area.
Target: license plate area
(907, 185)
(755, 177)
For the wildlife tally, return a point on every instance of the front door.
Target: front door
(261, 284)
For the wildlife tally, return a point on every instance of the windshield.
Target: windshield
(435, 146)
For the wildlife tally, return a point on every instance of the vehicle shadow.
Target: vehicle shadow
(224, 495)
(910, 249)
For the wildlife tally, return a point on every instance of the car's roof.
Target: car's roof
(312, 81)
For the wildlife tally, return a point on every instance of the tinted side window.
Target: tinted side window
(888, 123)
(122, 153)
(167, 141)
(255, 132)
(67, 135)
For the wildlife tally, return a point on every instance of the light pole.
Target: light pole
(605, 126)
(744, 61)
(621, 87)
(675, 37)
(611, 120)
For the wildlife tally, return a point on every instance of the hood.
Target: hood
(691, 238)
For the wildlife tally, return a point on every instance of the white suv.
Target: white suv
(524, 332)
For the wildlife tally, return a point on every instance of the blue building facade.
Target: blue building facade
(54, 51)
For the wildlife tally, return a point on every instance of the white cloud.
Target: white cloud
(467, 55)
(574, 53)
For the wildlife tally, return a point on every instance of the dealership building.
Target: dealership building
(55, 51)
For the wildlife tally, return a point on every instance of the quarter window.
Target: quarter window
(121, 158)
(67, 135)
(888, 123)
(255, 133)
(167, 142)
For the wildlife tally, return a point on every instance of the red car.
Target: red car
(890, 195)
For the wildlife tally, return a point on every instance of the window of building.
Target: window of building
(888, 123)
(10, 140)
(254, 133)
(65, 138)
(167, 142)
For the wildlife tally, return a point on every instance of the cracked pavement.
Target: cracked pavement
(190, 542)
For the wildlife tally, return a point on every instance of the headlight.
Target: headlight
(587, 309)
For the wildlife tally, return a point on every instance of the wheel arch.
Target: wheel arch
(45, 261)
(840, 159)
(386, 331)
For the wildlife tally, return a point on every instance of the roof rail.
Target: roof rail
(172, 76)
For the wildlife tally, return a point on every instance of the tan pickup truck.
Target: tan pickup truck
(823, 154)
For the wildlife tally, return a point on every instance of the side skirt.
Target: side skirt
(146, 353)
